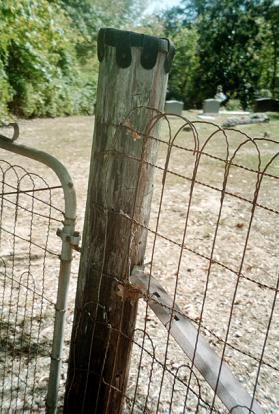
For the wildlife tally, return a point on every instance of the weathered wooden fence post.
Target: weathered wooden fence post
(133, 73)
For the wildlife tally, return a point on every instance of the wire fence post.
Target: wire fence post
(133, 73)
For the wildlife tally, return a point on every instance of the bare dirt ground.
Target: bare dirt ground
(196, 264)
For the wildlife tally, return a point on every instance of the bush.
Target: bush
(233, 105)
(39, 70)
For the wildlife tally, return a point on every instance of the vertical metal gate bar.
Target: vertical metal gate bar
(69, 239)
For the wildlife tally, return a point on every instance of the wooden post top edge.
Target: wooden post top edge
(123, 41)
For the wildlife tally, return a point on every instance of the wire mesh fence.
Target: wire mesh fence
(212, 244)
(210, 274)
(30, 214)
(209, 281)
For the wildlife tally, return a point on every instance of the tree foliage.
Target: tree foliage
(47, 53)
(89, 16)
(38, 62)
(269, 54)
(48, 64)
(236, 47)
(183, 81)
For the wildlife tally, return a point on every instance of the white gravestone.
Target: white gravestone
(211, 106)
(174, 107)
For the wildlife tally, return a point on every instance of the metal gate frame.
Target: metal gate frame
(70, 240)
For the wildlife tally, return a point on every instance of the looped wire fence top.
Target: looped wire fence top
(212, 246)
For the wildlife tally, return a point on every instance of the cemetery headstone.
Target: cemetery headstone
(174, 107)
(211, 106)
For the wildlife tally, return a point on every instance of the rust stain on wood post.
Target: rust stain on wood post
(133, 74)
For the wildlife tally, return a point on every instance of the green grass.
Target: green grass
(274, 116)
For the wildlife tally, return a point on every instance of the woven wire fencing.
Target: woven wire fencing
(30, 213)
(210, 273)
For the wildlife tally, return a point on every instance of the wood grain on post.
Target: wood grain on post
(133, 74)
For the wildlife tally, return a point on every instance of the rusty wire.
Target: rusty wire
(203, 237)
(29, 249)
(148, 297)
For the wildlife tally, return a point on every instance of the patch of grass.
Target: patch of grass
(274, 116)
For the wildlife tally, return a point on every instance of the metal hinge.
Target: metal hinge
(72, 239)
